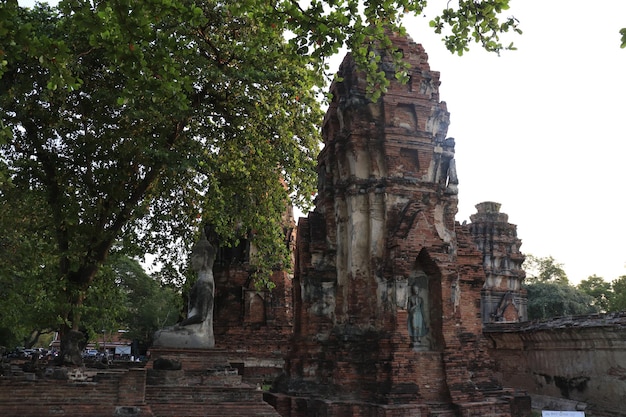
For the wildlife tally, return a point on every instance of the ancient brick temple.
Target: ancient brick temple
(387, 286)
(395, 309)
(503, 298)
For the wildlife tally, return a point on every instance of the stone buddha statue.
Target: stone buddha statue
(196, 331)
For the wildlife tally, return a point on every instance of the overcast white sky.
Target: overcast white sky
(542, 130)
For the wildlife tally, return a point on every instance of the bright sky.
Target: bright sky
(542, 130)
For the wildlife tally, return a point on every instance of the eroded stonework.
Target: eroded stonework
(503, 298)
(386, 292)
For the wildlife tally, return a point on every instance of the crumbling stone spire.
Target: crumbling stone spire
(503, 298)
(384, 164)
(386, 301)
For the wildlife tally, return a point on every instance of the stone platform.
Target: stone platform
(205, 385)
(193, 359)
(290, 406)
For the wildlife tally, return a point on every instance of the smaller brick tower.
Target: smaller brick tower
(503, 298)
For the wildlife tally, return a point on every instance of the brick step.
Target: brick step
(442, 413)
(260, 409)
(441, 410)
(174, 394)
(58, 392)
(73, 410)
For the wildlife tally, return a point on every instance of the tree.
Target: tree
(545, 269)
(126, 125)
(148, 305)
(618, 300)
(600, 290)
(128, 145)
(549, 291)
(553, 299)
(28, 290)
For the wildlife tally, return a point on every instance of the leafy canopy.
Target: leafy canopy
(554, 299)
(550, 293)
(599, 290)
(545, 269)
(618, 299)
(144, 305)
(608, 296)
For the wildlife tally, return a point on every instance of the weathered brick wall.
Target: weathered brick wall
(247, 318)
(254, 326)
(104, 395)
(578, 359)
(241, 310)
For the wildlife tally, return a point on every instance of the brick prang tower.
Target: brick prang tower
(386, 300)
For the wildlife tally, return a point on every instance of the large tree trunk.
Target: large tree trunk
(73, 340)
(72, 344)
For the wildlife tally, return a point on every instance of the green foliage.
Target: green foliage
(623, 33)
(618, 301)
(551, 295)
(145, 304)
(607, 296)
(555, 299)
(29, 291)
(135, 126)
(600, 290)
(477, 21)
(544, 270)
(549, 291)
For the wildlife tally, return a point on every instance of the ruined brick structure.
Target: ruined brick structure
(254, 325)
(101, 395)
(503, 298)
(387, 293)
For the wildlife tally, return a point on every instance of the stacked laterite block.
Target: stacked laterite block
(382, 240)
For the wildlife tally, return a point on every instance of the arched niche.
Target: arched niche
(424, 285)
(254, 306)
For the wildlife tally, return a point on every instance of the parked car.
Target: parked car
(18, 352)
(90, 353)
